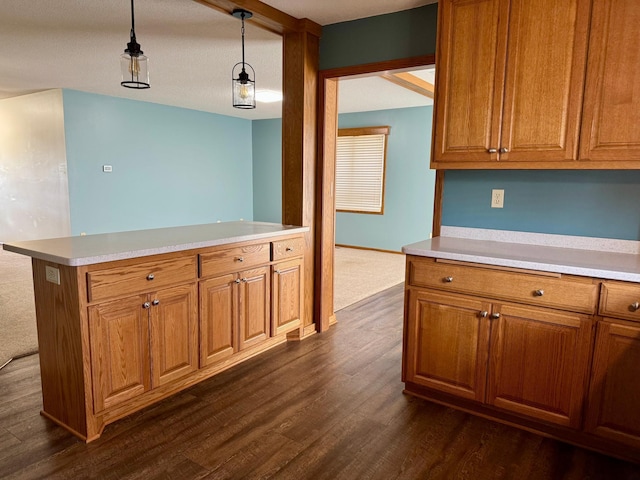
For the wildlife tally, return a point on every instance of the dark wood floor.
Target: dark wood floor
(327, 408)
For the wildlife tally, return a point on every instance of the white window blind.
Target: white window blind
(360, 167)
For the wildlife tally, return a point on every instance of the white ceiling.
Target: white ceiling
(76, 44)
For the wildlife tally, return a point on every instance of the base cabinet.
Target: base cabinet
(614, 401)
(447, 343)
(116, 337)
(539, 360)
(526, 360)
(142, 342)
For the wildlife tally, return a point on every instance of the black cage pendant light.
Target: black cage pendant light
(133, 64)
(244, 88)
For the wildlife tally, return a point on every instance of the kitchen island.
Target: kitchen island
(127, 319)
(541, 337)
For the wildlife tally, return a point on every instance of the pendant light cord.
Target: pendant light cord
(242, 30)
(133, 22)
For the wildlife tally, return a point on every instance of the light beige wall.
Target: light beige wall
(34, 194)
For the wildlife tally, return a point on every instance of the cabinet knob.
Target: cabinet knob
(244, 280)
(239, 259)
(146, 305)
(538, 293)
(634, 306)
(151, 276)
(493, 150)
(155, 302)
(504, 150)
(289, 249)
(237, 280)
(277, 271)
(483, 314)
(495, 316)
(448, 279)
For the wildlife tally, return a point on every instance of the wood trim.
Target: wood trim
(437, 203)
(358, 131)
(496, 267)
(266, 16)
(369, 248)
(410, 82)
(327, 132)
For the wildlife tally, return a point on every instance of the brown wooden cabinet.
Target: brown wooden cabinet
(508, 341)
(614, 394)
(447, 343)
(611, 119)
(510, 78)
(117, 336)
(539, 362)
(254, 306)
(287, 290)
(142, 342)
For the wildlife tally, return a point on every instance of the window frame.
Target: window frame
(367, 131)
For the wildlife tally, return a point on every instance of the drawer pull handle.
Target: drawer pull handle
(492, 150)
(634, 306)
(495, 316)
(289, 249)
(538, 293)
(483, 314)
(448, 279)
(146, 305)
(239, 259)
(155, 302)
(151, 276)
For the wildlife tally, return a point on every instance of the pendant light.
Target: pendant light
(244, 88)
(133, 64)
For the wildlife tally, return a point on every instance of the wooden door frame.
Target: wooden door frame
(325, 198)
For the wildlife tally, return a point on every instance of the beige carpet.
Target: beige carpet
(18, 334)
(362, 273)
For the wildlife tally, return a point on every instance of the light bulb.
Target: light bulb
(134, 66)
(244, 91)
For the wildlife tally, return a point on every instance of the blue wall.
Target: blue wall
(171, 166)
(409, 184)
(408, 211)
(601, 203)
(267, 170)
(409, 33)
(578, 202)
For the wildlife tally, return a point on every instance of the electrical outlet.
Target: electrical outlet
(497, 198)
(52, 274)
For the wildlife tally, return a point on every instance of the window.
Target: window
(360, 166)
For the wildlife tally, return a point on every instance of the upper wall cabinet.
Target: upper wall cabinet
(611, 118)
(510, 82)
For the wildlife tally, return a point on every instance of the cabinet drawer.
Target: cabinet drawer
(115, 282)
(572, 294)
(292, 247)
(620, 300)
(234, 259)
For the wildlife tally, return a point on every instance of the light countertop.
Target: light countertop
(107, 247)
(589, 263)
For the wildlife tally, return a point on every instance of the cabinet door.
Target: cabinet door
(218, 309)
(254, 306)
(539, 363)
(174, 333)
(611, 123)
(286, 282)
(470, 79)
(447, 338)
(546, 58)
(614, 395)
(119, 344)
